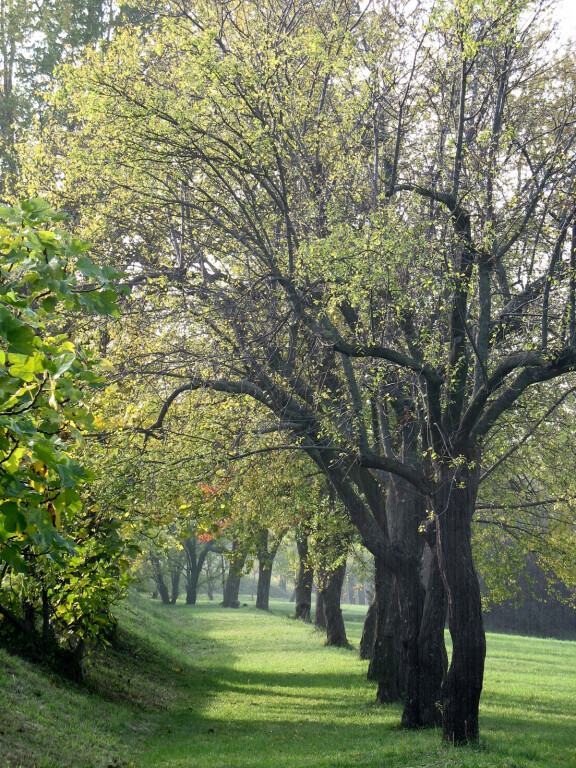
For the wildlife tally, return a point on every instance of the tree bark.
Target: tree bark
(319, 617)
(232, 583)
(433, 659)
(264, 579)
(369, 630)
(303, 581)
(405, 512)
(195, 558)
(386, 657)
(265, 555)
(454, 503)
(175, 583)
(159, 579)
(331, 593)
(191, 570)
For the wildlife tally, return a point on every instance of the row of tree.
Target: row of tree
(350, 234)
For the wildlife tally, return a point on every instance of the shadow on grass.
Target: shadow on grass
(179, 668)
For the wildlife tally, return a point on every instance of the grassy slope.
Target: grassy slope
(207, 688)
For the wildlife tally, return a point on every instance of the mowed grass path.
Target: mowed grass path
(201, 687)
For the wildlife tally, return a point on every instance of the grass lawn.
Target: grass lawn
(201, 687)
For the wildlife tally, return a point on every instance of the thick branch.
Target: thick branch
(218, 385)
(565, 362)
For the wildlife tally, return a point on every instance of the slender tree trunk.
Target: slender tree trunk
(303, 581)
(209, 580)
(159, 579)
(191, 570)
(369, 630)
(331, 593)
(175, 583)
(454, 506)
(319, 617)
(46, 633)
(265, 555)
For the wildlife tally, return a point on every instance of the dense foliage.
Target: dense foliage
(62, 563)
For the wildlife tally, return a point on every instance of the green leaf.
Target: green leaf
(26, 367)
(71, 473)
(14, 520)
(49, 304)
(87, 268)
(11, 554)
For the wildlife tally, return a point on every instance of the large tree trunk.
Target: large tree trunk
(264, 580)
(331, 593)
(405, 512)
(454, 504)
(431, 647)
(386, 657)
(232, 583)
(231, 591)
(303, 580)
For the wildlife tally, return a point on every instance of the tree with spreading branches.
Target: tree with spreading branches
(364, 221)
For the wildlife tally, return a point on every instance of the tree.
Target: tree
(62, 563)
(330, 538)
(374, 211)
(196, 553)
(34, 39)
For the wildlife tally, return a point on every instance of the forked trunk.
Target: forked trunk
(454, 506)
(159, 579)
(195, 558)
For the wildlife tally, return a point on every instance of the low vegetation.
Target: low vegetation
(216, 688)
